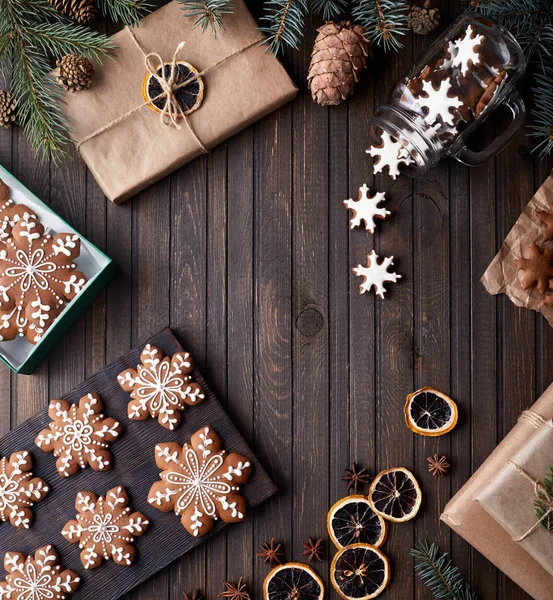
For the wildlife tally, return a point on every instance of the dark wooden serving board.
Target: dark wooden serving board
(135, 469)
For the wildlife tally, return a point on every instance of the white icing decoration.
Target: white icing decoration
(466, 54)
(390, 155)
(366, 208)
(376, 274)
(438, 102)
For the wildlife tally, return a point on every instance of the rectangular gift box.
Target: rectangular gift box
(511, 495)
(19, 354)
(471, 521)
(135, 149)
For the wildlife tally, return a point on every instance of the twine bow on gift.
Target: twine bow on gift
(542, 495)
(171, 111)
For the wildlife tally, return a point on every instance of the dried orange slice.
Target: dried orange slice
(430, 412)
(293, 581)
(360, 572)
(352, 521)
(395, 495)
(188, 97)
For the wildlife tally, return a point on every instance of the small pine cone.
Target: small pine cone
(340, 52)
(75, 72)
(82, 11)
(7, 109)
(424, 19)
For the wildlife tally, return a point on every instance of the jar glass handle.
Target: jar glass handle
(518, 110)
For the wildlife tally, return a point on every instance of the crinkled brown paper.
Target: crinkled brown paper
(503, 276)
(468, 518)
(510, 497)
(141, 150)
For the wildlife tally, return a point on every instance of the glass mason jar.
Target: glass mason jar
(450, 92)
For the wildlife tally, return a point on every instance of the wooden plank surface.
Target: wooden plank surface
(134, 468)
(247, 255)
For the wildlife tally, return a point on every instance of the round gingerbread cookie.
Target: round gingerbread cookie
(200, 482)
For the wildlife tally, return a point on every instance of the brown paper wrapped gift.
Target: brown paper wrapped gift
(511, 495)
(127, 151)
(503, 276)
(470, 520)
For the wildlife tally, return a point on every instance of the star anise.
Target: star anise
(196, 595)
(437, 465)
(313, 549)
(356, 477)
(236, 591)
(271, 553)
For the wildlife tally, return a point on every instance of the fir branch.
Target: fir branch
(208, 13)
(543, 502)
(128, 12)
(438, 573)
(28, 38)
(330, 9)
(384, 20)
(285, 23)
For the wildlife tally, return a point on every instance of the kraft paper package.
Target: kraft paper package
(124, 142)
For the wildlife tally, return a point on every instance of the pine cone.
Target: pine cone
(7, 109)
(75, 72)
(424, 19)
(82, 11)
(339, 53)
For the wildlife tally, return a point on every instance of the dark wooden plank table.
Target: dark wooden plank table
(247, 255)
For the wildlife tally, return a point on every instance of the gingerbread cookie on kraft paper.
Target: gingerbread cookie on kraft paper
(200, 482)
(161, 387)
(79, 435)
(105, 528)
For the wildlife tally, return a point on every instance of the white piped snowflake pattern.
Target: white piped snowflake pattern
(37, 278)
(366, 208)
(19, 489)
(79, 435)
(37, 577)
(438, 102)
(390, 153)
(376, 274)
(105, 528)
(467, 52)
(200, 487)
(161, 387)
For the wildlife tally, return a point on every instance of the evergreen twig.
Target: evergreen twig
(385, 21)
(531, 22)
(128, 12)
(285, 23)
(543, 502)
(438, 573)
(31, 32)
(330, 9)
(208, 13)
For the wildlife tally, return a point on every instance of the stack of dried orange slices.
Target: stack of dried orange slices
(357, 525)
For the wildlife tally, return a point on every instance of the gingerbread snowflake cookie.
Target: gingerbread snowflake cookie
(10, 212)
(537, 268)
(390, 153)
(366, 208)
(438, 102)
(79, 435)
(37, 278)
(466, 50)
(161, 387)
(19, 490)
(105, 528)
(37, 577)
(376, 274)
(200, 482)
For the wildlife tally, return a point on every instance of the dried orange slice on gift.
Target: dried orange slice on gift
(189, 97)
(352, 520)
(430, 412)
(293, 581)
(360, 572)
(395, 495)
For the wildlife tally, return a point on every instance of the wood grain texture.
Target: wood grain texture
(247, 254)
(134, 468)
